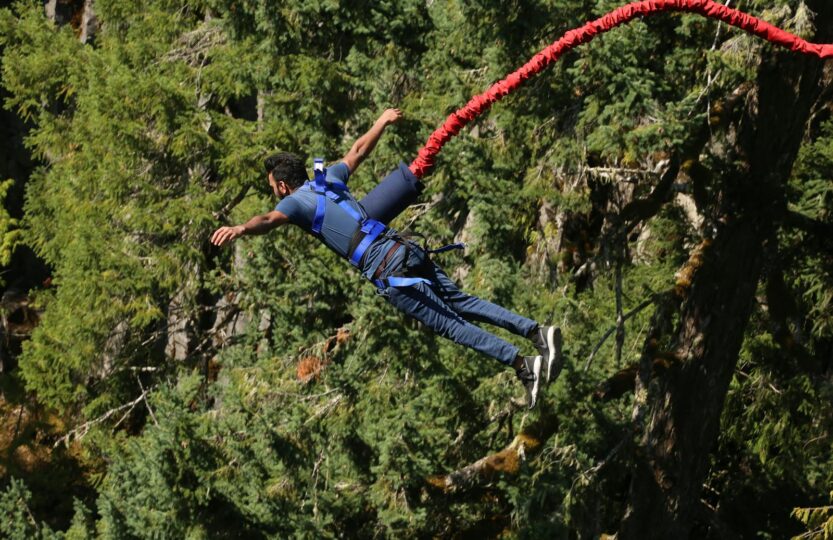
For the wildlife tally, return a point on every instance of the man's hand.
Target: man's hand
(365, 144)
(391, 116)
(257, 225)
(223, 235)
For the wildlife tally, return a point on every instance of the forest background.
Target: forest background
(663, 194)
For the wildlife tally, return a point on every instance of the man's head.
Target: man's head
(286, 173)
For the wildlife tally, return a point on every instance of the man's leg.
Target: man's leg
(393, 194)
(476, 309)
(547, 339)
(422, 303)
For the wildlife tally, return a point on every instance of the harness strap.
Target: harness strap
(442, 249)
(399, 281)
(370, 227)
(324, 191)
(449, 247)
(327, 190)
(319, 185)
(318, 220)
(346, 206)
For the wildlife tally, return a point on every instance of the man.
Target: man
(401, 269)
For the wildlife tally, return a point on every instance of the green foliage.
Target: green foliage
(10, 233)
(819, 521)
(812, 195)
(153, 135)
(17, 522)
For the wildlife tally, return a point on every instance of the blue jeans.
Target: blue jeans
(450, 312)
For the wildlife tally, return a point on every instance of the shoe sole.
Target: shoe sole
(553, 340)
(536, 370)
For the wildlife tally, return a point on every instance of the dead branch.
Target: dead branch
(326, 408)
(328, 344)
(505, 462)
(612, 329)
(312, 360)
(617, 174)
(193, 47)
(422, 209)
(79, 432)
(222, 214)
(147, 404)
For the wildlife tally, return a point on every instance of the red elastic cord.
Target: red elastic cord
(424, 162)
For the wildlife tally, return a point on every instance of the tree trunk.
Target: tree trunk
(682, 408)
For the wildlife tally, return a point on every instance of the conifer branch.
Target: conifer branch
(685, 159)
(640, 210)
(820, 231)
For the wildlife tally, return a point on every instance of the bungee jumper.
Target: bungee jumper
(402, 270)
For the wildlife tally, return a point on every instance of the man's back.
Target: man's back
(339, 228)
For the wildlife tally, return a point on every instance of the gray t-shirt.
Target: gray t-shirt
(338, 227)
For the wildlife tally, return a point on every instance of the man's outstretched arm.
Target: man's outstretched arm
(365, 144)
(261, 224)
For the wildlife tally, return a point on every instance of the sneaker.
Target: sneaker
(529, 375)
(547, 340)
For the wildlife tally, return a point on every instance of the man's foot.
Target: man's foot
(530, 374)
(548, 341)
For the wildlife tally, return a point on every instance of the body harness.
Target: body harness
(370, 228)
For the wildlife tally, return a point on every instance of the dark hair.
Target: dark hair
(287, 167)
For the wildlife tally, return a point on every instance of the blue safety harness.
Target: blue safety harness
(339, 193)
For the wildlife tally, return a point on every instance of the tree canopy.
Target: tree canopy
(663, 194)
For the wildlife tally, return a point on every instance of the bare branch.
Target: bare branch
(612, 329)
(82, 430)
(326, 408)
(222, 214)
(618, 174)
(422, 209)
(144, 396)
(193, 47)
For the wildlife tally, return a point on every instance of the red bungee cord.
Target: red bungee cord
(424, 161)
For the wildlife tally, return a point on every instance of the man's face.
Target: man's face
(279, 187)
